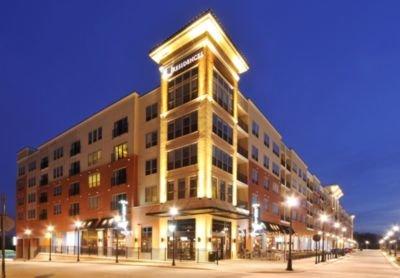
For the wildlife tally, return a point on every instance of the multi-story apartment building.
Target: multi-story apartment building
(195, 143)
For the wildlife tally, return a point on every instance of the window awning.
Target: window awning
(277, 228)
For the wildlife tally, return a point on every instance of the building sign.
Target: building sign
(257, 226)
(169, 71)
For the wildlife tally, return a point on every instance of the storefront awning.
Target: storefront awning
(90, 223)
(106, 223)
(277, 228)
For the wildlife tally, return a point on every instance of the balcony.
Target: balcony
(241, 177)
(242, 151)
(242, 204)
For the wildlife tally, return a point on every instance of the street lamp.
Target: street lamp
(395, 229)
(336, 226)
(28, 233)
(78, 225)
(290, 202)
(173, 211)
(323, 218)
(49, 235)
(366, 244)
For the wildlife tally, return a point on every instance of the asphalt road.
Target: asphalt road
(365, 264)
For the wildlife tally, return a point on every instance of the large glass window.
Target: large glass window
(120, 151)
(151, 166)
(170, 191)
(118, 177)
(94, 180)
(75, 148)
(151, 112)
(94, 157)
(120, 127)
(182, 157)
(183, 88)
(222, 160)
(222, 92)
(151, 194)
(193, 187)
(254, 153)
(151, 139)
(181, 189)
(94, 202)
(182, 126)
(222, 129)
(255, 129)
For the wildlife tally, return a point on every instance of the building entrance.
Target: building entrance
(221, 239)
(185, 239)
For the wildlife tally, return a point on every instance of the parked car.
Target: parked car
(10, 254)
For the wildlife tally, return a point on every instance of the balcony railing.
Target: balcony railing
(241, 177)
(243, 125)
(242, 151)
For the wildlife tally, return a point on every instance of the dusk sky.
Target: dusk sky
(326, 74)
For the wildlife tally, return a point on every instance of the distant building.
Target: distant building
(195, 143)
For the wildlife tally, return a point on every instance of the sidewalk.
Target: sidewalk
(238, 265)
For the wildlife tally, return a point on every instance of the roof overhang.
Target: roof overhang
(205, 24)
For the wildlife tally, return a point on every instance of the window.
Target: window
(120, 127)
(32, 166)
(57, 191)
(182, 157)
(44, 179)
(44, 163)
(151, 112)
(275, 149)
(222, 160)
(266, 162)
(74, 189)
(182, 126)
(118, 177)
(94, 180)
(115, 199)
(58, 172)
(95, 135)
(43, 214)
(31, 182)
(222, 92)
(57, 209)
(181, 188)
(151, 139)
(266, 140)
(254, 153)
(214, 188)
(230, 193)
(146, 238)
(31, 198)
(255, 129)
(75, 148)
(222, 192)
(94, 157)
(151, 194)
(254, 176)
(151, 166)
(75, 168)
(94, 202)
(20, 201)
(170, 191)
(193, 187)
(31, 214)
(275, 169)
(58, 153)
(275, 208)
(120, 151)
(74, 209)
(183, 88)
(43, 197)
(266, 183)
(21, 171)
(275, 187)
(222, 129)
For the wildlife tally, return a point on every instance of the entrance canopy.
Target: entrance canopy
(277, 228)
(201, 206)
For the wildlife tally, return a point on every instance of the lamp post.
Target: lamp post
(344, 230)
(290, 202)
(395, 229)
(28, 233)
(323, 218)
(78, 225)
(389, 235)
(336, 226)
(49, 235)
(173, 211)
(121, 224)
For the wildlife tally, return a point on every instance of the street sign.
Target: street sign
(8, 224)
(316, 237)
